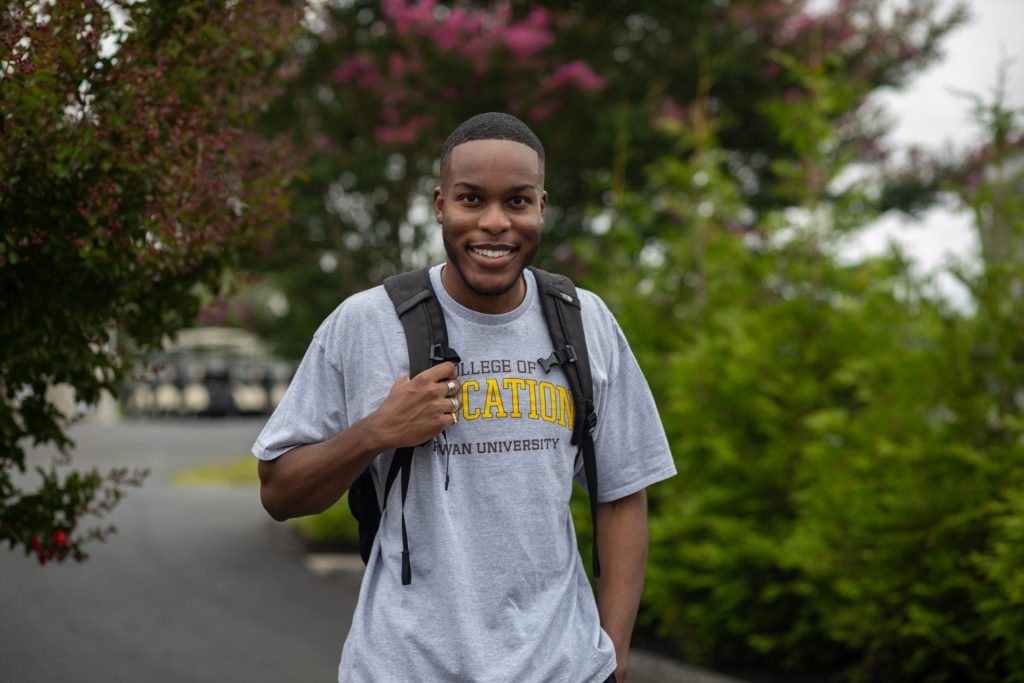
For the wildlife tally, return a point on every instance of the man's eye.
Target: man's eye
(471, 198)
(519, 201)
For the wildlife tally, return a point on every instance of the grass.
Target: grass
(333, 529)
(237, 470)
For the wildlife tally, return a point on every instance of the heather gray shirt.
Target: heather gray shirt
(498, 589)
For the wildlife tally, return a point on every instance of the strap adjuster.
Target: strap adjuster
(566, 354)
(439, 354)
(591, 417)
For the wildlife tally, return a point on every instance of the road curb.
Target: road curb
(647, 667)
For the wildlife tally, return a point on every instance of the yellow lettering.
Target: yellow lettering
(532, 388)
(466, 412)
(565, 407)
(547, 401)
(514, 385)
(493, 401)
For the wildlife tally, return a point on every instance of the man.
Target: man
(498, 591)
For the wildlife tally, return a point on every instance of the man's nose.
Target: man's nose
(494, 219)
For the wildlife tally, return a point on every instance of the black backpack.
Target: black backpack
(427, 339)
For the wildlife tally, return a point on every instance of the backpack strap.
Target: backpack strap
(427, 340)
(563, 314)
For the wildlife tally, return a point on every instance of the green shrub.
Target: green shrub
(333, 529)
(850, 449)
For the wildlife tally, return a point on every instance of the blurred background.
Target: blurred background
(807, 216)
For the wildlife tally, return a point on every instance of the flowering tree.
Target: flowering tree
(127, 185)
(380, 84)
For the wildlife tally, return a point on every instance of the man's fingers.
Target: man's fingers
(439, 372)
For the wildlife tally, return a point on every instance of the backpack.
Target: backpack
(427, 339)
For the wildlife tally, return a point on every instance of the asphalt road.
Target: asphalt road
(197, 585)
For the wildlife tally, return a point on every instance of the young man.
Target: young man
(498, 590)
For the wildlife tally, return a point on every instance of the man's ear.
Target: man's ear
(543, 204)
(438, 205)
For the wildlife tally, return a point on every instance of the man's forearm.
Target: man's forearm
(622, 541)
(309, 479)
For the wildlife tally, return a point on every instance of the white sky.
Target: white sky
(930, 114)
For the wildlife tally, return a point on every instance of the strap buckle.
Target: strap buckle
(566, 354)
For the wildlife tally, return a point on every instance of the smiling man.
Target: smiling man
(497, 591)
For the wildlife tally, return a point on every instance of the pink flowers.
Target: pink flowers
(357, 70)
(489, 42)
(526, 41)
(412, 18)
(471, 32)
(576, 73)
(402, 133)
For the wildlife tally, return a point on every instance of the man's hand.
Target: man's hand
(309, 479)
(417, 409)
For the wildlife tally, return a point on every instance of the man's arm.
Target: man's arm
(622, 541)
(308, 479)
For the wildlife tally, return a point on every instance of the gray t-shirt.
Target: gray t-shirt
(498, 588)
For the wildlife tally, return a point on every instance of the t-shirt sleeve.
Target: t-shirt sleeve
(312, 410)
(632, 450)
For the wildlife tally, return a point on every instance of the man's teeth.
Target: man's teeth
(492, 253)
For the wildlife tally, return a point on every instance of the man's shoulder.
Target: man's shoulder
(591, 304)
(598, 319)
(361, 304)
(358, 315)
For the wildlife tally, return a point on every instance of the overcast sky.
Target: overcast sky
(928, 113)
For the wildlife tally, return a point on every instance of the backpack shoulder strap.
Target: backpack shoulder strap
(563, 314)
(416, 304)
(426, 337)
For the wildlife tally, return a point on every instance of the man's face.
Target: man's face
(491, 206)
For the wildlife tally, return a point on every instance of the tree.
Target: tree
(379, 85)
(850, 446)
(128, 184)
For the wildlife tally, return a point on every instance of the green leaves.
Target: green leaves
(850, 449)
(118, 173)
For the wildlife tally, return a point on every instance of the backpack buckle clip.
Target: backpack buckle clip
(566, 354)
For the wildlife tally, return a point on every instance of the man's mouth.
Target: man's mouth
(491, 252)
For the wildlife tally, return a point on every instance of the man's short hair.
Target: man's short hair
(492, 126)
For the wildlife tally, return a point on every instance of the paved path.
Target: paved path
(198, 584)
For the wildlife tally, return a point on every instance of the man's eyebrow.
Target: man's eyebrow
(476, 188)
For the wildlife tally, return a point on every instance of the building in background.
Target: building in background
(210, 371)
